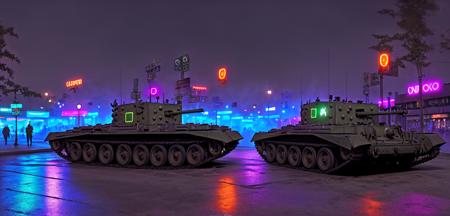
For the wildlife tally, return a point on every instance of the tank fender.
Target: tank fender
(222, 136)
(346, 141)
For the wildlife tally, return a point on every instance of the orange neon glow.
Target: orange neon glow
(226, 196)
(74, 83)
(384, 60)
(200, 88)
(222, 74)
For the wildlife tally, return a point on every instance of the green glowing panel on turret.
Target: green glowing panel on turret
(336, 113)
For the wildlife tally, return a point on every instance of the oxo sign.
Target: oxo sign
(427, 87)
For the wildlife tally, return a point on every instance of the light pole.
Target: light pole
(78, 113)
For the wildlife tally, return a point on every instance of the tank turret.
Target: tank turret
(342, 113)
(147, 113)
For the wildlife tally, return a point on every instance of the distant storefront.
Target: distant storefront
(436, 98)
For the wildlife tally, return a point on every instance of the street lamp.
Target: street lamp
(269, 92)
(46, 94)
(78, 113)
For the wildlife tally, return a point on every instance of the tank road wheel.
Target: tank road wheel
(177, 155)
(158, 155)
(309, 157)
(106, 153)
(325, 159)
(215, 148)
(270, 153)
(260, 148)
(345, 153)
(75, 151)
(294, 156)
(281, 154)
(89, 152)
(123, 154)
(56, 146)
(141, 155)
(195, 154)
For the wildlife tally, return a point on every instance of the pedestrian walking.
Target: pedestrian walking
(6, 134)
(29, 132)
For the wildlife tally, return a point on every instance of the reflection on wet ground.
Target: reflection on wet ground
(240, 184)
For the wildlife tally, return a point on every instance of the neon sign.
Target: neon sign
(385, 104)
(199, 88)
(37, 114)
(222, 74)
(427, 87)
(74, 83)
(153, 91)
(73, 113)
(384, 60)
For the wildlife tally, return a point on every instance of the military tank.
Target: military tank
(145, 134)
(337, 135)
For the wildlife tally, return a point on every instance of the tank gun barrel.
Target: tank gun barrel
(171, 113)
(370, 114)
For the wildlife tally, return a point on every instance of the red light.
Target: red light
(74, 83)
(200, 88)
(222, 74)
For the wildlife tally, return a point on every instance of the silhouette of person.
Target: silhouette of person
(29, 132)
(6, 134)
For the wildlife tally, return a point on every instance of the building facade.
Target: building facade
(436, 98)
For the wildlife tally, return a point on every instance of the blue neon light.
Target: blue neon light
(5, 110)
(226, 112)
(92, 114)
(37, 114)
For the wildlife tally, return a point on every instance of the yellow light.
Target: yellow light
(222, 74)
(384, 60)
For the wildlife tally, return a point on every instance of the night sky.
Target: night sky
(281, 45)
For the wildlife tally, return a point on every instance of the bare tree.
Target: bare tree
(7, 84)
(410, 16)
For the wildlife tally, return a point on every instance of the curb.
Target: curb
(19, 152)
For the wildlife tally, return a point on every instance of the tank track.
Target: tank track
(341, 164)
(60, 147)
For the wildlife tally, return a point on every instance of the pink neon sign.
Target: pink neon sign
(153, 91)
(72, 113)
(427, 87)
(385, 104)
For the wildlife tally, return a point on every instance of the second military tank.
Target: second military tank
(145, 134)
(335, 135)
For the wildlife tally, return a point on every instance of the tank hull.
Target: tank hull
(165, 146)
(344, 148)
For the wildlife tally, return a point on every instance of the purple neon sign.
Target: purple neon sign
(385, 103)
(427, 87)
(153, 91)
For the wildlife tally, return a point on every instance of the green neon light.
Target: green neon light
(313, 113)
(323, 112)
(129, 117)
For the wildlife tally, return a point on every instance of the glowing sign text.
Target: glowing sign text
(74, 83)
(199, 88)
(428, 87)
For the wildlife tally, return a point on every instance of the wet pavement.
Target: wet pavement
(22, 148)
(239, 184)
